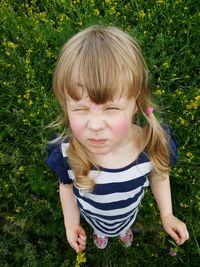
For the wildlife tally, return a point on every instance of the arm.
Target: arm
(172, 225)
(75, 233)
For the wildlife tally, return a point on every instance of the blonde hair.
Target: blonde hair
(99, 57)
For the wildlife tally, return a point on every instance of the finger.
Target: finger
(75, 246)
(81, 241)
(82, 233)
(174, 235)
(81, 247)
(184, 237)
(177, 240)
(83, 237)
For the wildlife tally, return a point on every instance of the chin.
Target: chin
(99, 151)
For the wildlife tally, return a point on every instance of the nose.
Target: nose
(96, 122)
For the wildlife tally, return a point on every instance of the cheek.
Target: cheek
(77, 127)
(121, 127)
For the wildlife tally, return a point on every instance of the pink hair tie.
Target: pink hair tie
(149, 111)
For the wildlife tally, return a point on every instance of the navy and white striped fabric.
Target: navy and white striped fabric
(112, 206)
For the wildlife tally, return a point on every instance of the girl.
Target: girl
(107, 158)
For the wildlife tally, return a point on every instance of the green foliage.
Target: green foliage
(32, 34)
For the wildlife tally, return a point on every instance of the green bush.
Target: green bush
(32, 34)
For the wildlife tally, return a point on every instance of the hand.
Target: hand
(76, 237)
(175, 228)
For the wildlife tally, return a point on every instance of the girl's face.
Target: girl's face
(102, 129)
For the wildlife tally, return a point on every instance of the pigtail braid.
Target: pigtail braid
(157, 145)
(156, 139)
(80, 163)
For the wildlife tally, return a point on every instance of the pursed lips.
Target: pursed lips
(97, 141)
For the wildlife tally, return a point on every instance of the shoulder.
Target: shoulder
(58, 147)
(57, 159)
(57, 151)
(64, 147)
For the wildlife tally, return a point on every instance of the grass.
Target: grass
(32, 34)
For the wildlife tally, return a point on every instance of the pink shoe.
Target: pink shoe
(127, 239)
(100, 241)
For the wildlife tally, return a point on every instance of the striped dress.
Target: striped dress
(112, 206)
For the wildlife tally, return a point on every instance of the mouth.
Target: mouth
(97, 142)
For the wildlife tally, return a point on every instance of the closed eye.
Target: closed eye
(112, 108)
(80, 109)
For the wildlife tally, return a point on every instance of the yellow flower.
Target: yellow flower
(181, 120)
(80, 258)
(193, 104)
(184, 205)
(11, 45)
(27, 61)
(17, 210)
(159, 92)
(141, 14)
(96, 12)
(21, 169)
(197, 98)
(190, 155)
(179, 91)
(42, 14)
(166, 65)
